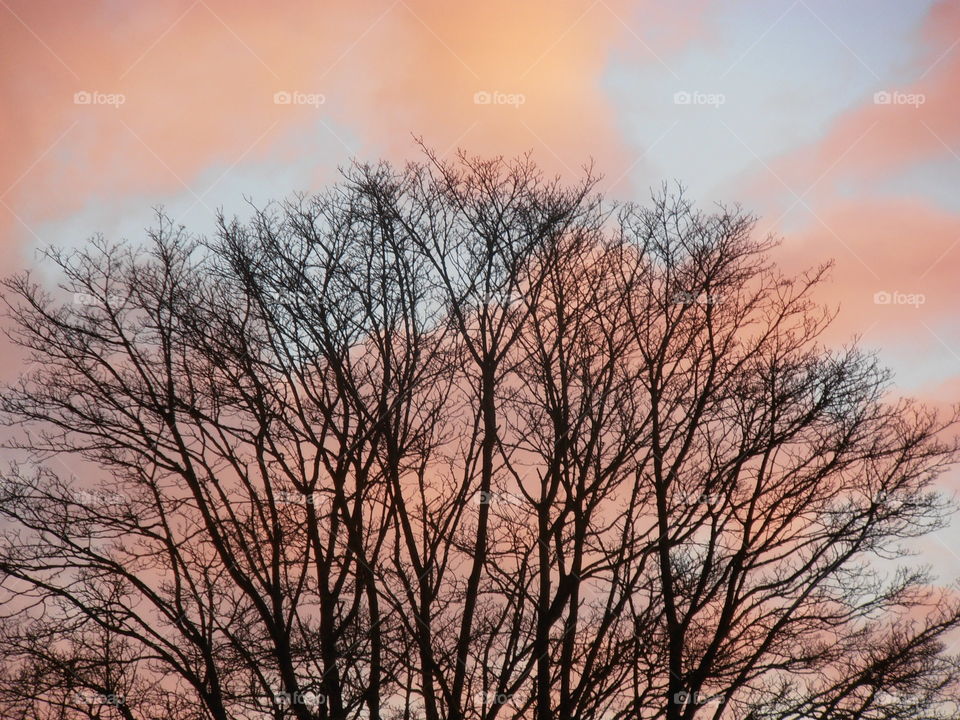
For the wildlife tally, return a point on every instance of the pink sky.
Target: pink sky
(772, 104)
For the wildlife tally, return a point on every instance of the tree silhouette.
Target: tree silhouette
(459, 441)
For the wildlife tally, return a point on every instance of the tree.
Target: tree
(459, 441)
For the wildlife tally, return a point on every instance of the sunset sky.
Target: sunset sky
(837, 123)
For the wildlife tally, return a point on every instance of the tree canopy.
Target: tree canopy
(458, 441)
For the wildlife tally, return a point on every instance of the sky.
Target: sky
(836, 123)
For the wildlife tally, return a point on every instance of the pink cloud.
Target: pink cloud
(198, 80)
(198, 83)
(885, 250)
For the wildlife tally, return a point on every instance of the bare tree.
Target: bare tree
(460, 441)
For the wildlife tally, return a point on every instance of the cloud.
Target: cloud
(895, 128)
(177, 98)
(885, 250)
(198, 83)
